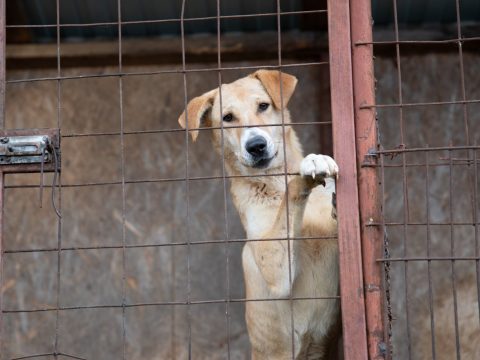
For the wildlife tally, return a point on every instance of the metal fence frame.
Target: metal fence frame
(58, 309)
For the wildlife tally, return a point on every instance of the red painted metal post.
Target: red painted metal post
(368, 185)
(351, 275)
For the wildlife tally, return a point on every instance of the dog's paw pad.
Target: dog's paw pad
(318, 167)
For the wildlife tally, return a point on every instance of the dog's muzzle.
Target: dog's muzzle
(257, 147)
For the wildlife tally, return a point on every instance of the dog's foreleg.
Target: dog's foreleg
(277, 259)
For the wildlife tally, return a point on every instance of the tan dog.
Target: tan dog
(253, 149)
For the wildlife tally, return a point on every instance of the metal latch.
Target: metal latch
(30, 151)
(33, 149)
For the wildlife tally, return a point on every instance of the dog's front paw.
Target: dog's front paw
(318, 167)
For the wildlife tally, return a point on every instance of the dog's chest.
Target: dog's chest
(261, 194)
(257, 205)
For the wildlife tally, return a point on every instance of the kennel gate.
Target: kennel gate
(341, 63)
(364, 162)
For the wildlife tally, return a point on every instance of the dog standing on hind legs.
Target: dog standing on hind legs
(277, 269)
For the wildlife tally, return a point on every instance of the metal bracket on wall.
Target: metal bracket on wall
(29, 151)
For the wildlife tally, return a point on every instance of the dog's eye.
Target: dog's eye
(228, 117)
(263, 106)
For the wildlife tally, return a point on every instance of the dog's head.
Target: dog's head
(245, 109)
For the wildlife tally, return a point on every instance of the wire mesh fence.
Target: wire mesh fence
(427, 161)
(142, 259)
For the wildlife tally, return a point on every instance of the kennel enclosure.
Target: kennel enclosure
(119, 270)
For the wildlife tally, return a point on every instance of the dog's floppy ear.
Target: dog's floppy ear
(197, 110)
(270, 80)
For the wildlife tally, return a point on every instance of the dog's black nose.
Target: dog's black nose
(256, 146)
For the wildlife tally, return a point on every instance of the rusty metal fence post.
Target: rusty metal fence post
(351, 275)
(355, 140)
(368, 184)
